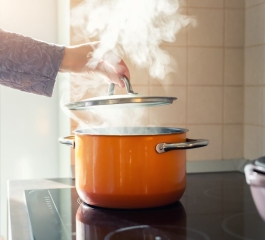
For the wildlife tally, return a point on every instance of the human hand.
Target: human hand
(78, 59)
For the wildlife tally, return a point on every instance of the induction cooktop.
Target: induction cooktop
(216, 206)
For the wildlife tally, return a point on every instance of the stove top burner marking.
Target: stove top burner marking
(234, 219)
(189, 233)
(232, 193)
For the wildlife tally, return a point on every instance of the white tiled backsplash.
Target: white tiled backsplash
(254, 91)
(219, 79)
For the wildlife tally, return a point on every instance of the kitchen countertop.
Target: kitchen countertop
(18, 220)
(217, 205)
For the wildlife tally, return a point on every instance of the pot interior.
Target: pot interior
(128, 131)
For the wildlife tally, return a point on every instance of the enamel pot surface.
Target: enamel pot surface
(131, 167)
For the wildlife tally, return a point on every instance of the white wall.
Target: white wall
(28, 123)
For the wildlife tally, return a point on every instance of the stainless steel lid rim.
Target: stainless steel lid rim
(144, 100)
(130, 131)
(131, 99)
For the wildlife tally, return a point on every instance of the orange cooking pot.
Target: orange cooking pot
(131, 167)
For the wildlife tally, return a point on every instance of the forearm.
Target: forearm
(28, 64)
(32, 66)
(81, 59)
(76, 58)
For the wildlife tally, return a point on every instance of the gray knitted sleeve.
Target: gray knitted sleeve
(28, 64)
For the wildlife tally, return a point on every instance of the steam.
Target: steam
(94, 85)
(134, 28)
(99, 117)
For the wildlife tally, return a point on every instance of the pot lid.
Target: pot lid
(129, 99)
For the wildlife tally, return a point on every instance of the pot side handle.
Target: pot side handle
(189, 144)
(69, 140)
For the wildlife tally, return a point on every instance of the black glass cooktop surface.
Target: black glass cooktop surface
(216, 206)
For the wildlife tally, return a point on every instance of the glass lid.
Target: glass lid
(131, 99)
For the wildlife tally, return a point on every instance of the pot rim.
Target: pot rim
(130, 131)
